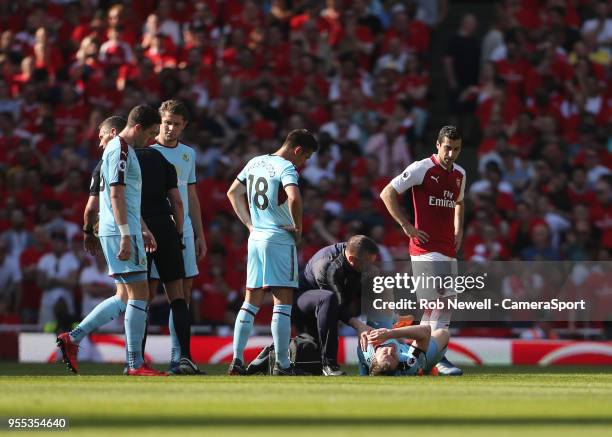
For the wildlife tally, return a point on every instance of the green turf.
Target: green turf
(484, 402)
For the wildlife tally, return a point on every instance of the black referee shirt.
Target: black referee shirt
(94, 188)
(158, 176)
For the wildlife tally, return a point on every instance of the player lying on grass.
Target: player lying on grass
(405, 351)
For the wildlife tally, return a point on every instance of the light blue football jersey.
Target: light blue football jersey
(183, 159)
(119, 167)
(265, 177)
(409, 364)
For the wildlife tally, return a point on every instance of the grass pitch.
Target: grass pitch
(484, 402)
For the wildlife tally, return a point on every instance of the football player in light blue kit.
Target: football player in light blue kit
(120, 229)
(174, 117)
(272, 211)
(384, 352)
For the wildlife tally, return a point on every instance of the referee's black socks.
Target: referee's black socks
(182, 325)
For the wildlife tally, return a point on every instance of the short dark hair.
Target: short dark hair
(174, 107)
(360, 245)
(143, 115)
(450, 132)
(302, 138)
(115, 122)
(378, 369)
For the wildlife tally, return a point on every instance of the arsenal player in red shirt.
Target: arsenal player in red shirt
(438, 185)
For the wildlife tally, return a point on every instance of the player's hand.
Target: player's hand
(363, 341)
(125, 248)
(149, 241)
(458, 240)
(200, 248)
(377, 336)
(295, 233)
(413, 232)
(91, 244)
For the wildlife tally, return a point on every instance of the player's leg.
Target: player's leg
(132, 273)
(437, 265)
(181, 321)
(250, 306)
(280, 274)
(441, 318)
(436, 349)
(243, 327)
(107, 310)
(190, 267)
(281, 325)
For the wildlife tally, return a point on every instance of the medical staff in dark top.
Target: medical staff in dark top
(329, 288)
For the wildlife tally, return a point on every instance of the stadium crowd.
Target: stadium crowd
(533, 84)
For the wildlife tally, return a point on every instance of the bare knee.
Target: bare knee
(283, 296)
(121, 293)
(174, 290)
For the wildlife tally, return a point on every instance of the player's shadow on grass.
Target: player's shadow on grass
(274, 422)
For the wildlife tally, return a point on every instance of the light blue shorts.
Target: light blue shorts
(271, 265)
(189, 259)
(135, 264)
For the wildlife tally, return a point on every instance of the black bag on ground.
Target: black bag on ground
(304, 353)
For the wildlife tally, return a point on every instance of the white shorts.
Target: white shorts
(433, 265)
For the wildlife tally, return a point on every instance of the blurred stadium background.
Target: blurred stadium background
(528, 83)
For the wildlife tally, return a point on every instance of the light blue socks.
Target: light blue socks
(135, 320)
(281, 333)
(242, 328)
(104, 312)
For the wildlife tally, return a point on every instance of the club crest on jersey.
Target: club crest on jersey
(185, 157)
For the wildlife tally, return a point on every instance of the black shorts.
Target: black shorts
(169, 254)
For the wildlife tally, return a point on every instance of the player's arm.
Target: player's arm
(237, 197)
(410, 177)
(195, 215)
(178, 209)
(419, 333)
(174, 196)
(117, 198)
(459, 216)
(90, 216)
(296, 207)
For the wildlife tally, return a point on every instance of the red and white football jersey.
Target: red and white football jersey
(435, 191)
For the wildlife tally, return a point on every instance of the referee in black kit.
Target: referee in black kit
(162, 211)
(329, 287)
